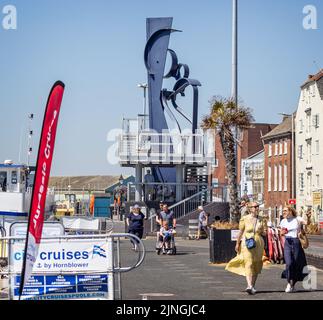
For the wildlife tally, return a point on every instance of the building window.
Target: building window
(301, 125)
(276, 148)
(280, 178)
(301, 181)
(285, 177)
(317, 180)
(269, 178)
(316, 121)
(215, 163)
(309, 184)
(307, 100)
(269, 149)
(280, 147)
(308, 122)
(317, 147)
(309, 150)
(275, 177)
(285, 147)
(300, 152)
(257, 188)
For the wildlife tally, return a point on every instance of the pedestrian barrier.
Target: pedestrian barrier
(71, 266)
(84, 225)
(192, 228)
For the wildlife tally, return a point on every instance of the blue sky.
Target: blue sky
(96, 47)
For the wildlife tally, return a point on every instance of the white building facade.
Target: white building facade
(252, 177)
(309, 146)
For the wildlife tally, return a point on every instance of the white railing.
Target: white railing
(168, 192)
(177, 148)
(191, 204)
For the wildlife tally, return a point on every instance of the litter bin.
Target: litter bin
(222, 245)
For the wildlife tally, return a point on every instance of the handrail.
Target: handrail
(141, 255)
(191, 197)
(183, 203)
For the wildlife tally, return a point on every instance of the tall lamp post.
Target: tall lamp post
(234, 92)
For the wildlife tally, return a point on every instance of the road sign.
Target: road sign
(292, 201)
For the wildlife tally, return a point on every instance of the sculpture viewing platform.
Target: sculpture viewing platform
(169, 148)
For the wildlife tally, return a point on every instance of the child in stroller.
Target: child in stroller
(166, 243)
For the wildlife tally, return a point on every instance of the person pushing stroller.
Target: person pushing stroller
(166, 215)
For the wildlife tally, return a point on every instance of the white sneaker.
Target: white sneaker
(251, 290)
(289, 288)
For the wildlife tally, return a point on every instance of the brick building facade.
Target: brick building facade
(278, 168)
(250, 143)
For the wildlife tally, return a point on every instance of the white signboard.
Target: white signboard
(63, 256)
(80, 223)
(62, 270)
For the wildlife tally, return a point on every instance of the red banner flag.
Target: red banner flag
(43, 166)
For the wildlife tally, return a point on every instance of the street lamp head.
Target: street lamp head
(142, 85)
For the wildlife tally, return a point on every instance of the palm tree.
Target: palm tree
(224, 117)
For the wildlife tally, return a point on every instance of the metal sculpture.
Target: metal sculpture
(158, 35)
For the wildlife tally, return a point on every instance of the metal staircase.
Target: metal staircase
(191, 203)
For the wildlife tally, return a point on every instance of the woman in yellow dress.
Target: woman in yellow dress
(248, 262)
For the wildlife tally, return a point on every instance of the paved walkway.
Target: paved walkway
(189, 275)
(316, 245)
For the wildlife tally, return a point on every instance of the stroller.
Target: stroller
(168, 244)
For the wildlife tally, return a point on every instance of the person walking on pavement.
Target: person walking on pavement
(135, 223)
(291, 227)
(203, 222)
(249, 247)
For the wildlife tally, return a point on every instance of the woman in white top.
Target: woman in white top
(294, 254)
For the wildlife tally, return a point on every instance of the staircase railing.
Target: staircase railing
(191, 204)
